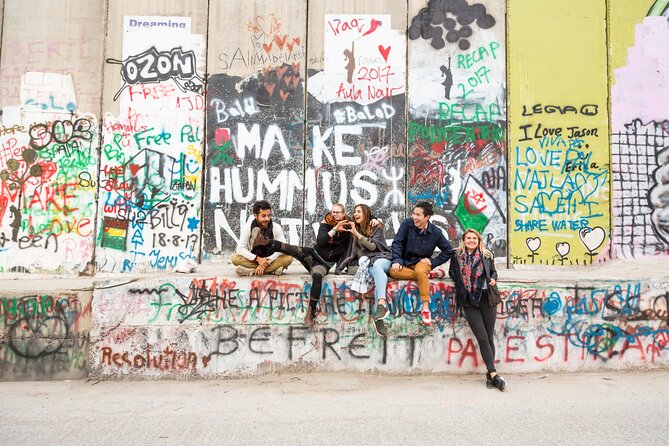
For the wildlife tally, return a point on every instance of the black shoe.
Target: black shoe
(381, 312)
(499, 383)
(381, 328)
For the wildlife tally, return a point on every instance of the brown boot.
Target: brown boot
(309, 319)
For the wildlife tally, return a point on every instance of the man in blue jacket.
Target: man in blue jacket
(413, 247)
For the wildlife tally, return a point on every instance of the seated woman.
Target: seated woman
(368, 247)
(473, 271)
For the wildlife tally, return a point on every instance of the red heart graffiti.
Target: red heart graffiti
(384, 52)
(280, 42)
(267, 48)
(284, 95)
(134, 168)
(270, 88)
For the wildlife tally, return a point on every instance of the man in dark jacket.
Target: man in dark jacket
(413, 247)
(332, 242)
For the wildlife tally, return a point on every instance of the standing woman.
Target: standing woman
(368, 247)
(473, 271)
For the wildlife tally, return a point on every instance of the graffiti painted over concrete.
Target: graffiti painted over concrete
(214, 326)
(44, 336)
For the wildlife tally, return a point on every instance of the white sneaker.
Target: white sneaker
(243, 271)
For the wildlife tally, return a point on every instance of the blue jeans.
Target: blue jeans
(379, 272)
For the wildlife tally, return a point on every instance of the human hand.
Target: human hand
(426, 260)
(263, 261)
(395, 267)
(376, 222)
(341, 226)
(493, 282)
(259, 270)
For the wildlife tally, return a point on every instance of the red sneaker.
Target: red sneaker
(426, 318)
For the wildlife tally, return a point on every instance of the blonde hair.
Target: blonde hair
(485, 251)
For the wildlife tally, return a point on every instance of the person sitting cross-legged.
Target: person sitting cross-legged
(257, 260)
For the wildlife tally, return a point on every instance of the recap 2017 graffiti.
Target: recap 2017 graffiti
(44, 336)
(456, 133)
(214, 326)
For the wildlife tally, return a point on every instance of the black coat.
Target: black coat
(460, 292)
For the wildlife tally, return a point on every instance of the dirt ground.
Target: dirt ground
(597, 408)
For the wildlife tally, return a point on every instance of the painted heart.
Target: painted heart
(265, 24)
(134, 168)
(284, 95)
(533, 243)
(563, 249)
(257, 40)
(205, 360)
(270, 88)
(384, 52)
(280, 41)
(267, 48)
(296, 40)
(592, 238)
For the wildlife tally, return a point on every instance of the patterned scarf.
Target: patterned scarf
(471, 269)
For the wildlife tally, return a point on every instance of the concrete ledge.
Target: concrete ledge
(212, 324)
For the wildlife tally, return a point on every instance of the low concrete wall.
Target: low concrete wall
(45, 335)
(209, 327)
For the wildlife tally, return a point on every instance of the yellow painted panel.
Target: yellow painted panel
(559, 153)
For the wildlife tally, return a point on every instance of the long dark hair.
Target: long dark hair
(365, 227)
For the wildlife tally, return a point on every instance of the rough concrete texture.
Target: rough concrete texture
(598, 408)
(212, 324)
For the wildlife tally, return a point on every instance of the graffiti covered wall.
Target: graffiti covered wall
(457, 111)
(50, 99)
(558, 132)
(640, 132)
(215, 326)
(44, 336)
(138, 139)
(150, 185)
(255, 116)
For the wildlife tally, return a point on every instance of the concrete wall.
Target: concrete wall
(214, 327)
(44, 335)
(136, 136)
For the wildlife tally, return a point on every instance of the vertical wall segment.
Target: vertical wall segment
(457, 115)
(255, 114)
(355, 151)
(640, 128)
(50, 98)
(558, 133)
(151, 168)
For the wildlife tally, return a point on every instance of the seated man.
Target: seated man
(258, 260)
(412, 250)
